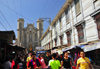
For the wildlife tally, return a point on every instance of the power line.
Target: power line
(14, 11)
(3, 26)
(5, 19)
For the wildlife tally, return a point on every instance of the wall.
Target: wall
(90, 29)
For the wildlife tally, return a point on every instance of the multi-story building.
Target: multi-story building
(77, 22)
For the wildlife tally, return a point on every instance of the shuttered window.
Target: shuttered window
(80, 33)
(67, 15)
(98, 27)
(61, 41)
(97, 20)
(55, 42)
(60, 23)
(77, 7)
(68, 38)
(49, 45)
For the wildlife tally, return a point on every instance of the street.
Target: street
(50, 34)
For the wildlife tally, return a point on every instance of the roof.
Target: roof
(5, 33)
(64, 7)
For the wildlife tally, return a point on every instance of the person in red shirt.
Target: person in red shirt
(43, 62)
(34, 63)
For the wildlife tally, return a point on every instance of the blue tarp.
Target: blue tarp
(41, 51)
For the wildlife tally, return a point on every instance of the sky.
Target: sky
(30, 10)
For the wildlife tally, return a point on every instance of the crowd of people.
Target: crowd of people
(46, 61)
(56, 61)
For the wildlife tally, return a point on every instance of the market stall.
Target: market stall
(92, 51)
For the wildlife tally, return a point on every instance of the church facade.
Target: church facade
(29, 37)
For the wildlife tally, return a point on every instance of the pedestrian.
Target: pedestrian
(16, 62)
(29, 57)
(48, 57)
(53, 63)
(69, 55)
(83, 62)
(12, 60)
(20, 62)
(25, 62)
(58, 57)
(66, 62)
(34, 63)
(7, 63)
(43, 62)
(39, 58)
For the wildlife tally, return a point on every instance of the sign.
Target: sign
(39, 48)
(59, 51)
(91, 47)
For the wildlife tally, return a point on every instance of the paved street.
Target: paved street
(49, 34)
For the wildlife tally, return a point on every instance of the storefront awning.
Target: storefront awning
(91, 47)
(68, 48)
(72, 47)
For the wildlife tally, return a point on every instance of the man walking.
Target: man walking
(83, 62)
(53, 63)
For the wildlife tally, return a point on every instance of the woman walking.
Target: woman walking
(43, 62)
(66, 62)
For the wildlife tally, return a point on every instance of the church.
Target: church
(29, 37)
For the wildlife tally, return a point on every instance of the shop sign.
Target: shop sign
(59, 51)
(91, 47)
(39, 48)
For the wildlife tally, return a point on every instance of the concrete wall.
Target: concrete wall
(90, 29)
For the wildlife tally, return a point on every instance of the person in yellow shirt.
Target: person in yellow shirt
(29, 57)
(83, 62)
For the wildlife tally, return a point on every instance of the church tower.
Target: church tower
(20, 28)
(40, 29)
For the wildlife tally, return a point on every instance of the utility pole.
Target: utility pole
(49, 20)
(51, 33)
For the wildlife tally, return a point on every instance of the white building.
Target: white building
(77, 22)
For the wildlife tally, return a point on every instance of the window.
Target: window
(98, 26)
(54, 27)
(68, 38)
(61, 41)
(30, 29)
(66, 11)
(54, 24)
(40, 26)
(60, 23)
(36, 36)
(49, 45)
(55, 42)
(80, 33)
(77, 7)
(67, 15)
